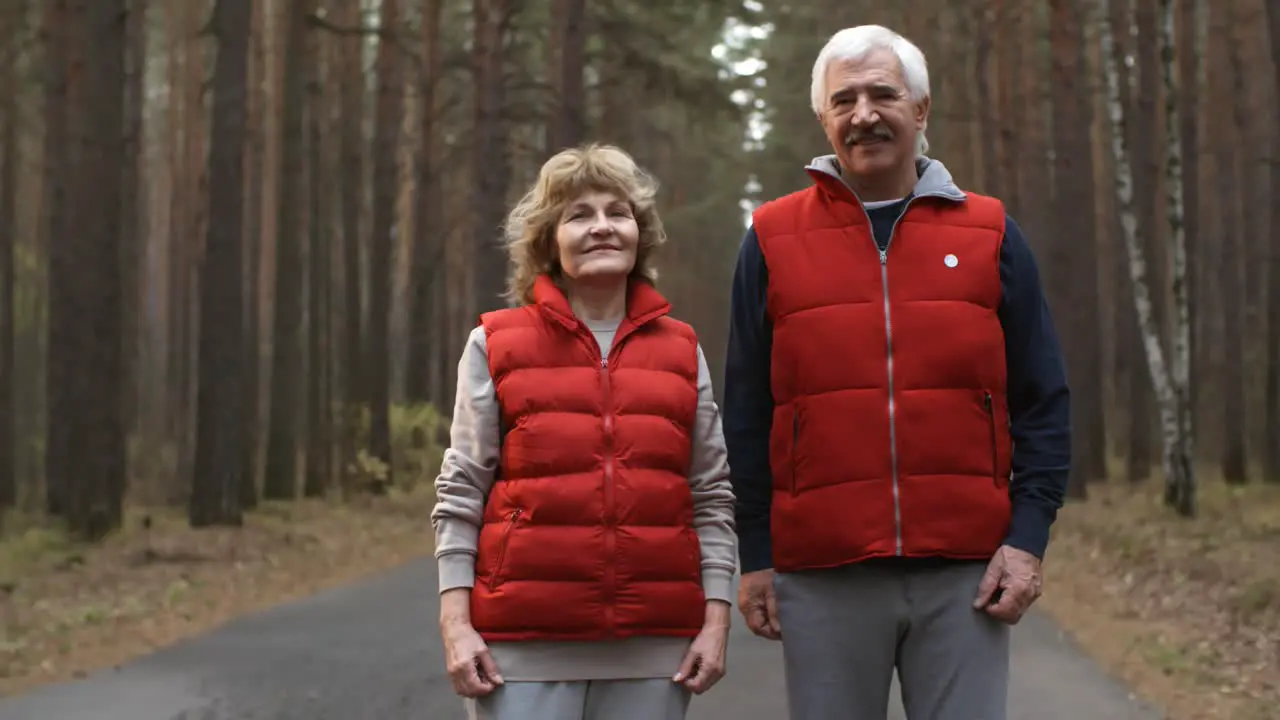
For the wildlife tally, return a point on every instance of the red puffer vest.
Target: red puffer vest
(588, 531)
(890, 429)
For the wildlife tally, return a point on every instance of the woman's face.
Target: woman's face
(597, 237)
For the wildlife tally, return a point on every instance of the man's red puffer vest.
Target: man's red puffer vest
(890, 429)
(588, 530)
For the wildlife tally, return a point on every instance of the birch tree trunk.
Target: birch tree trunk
(1170, 390)
(1179, 441)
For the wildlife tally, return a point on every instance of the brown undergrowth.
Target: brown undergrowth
(68, 610)
(1186, 611)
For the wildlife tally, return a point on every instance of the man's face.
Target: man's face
(870, 119)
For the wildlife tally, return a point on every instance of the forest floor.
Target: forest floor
(67, 610)
(1187, 612)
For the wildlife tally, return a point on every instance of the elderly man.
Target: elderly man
(896, 411)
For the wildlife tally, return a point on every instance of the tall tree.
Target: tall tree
(281, 473)
(1272, 459)
(568, 48)
(1179, 482)
(11, 28)
(388, 115)
(491, 165)
(1074, 270)
(1232, 174)
(86, 391)
(424, 379)
(220, 396)
(1175, 396)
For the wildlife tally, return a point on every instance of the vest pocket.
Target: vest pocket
(989, 405)
(496, 579)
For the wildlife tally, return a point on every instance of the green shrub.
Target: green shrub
(416, 448)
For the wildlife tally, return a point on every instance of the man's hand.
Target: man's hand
(758, 605)
(1011, 584)
(704, 661)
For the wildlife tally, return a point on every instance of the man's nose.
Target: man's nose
(863, 115)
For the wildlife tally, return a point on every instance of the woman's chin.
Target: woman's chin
(603, 270)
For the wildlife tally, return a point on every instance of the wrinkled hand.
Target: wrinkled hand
(758, 605)
(471, 667)
(1011, 584)
(704, 662)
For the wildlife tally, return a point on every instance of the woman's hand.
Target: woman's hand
(704, 662)
(471, 667)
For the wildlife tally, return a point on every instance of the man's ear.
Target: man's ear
(922, 114)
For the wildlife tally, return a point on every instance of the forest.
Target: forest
(242, 243)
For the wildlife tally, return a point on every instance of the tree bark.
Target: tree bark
(1271, 461)
(1179, 487)
(220, 396)
(280, 476)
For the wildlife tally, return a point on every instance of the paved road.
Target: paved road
(369, 652)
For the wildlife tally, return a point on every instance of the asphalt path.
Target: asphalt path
(371, 651)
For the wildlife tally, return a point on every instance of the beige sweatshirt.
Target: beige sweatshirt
(463, 486)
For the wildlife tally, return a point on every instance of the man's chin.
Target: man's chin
(863, 161)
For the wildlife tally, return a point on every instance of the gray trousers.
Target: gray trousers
(657, 699)
(845, 630)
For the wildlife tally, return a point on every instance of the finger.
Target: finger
(706, 676)
(476, 679)
(987, 587)
(686, 666)
(1009, 609)
(477, 684)
(756, 619)
(489, 667)
(771, 607)
(468, 683)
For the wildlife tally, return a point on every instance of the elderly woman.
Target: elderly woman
(584, 528)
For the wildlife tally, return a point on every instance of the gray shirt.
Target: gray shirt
(463, 485)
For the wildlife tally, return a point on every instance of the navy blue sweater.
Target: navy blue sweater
(1037, 394)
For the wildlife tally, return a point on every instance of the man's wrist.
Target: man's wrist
(1029, 528)
(755, 550)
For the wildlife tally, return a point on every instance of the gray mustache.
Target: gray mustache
(879, 132)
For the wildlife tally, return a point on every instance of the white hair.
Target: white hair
(856, 43)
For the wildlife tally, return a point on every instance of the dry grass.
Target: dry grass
(1186, 611)
(69, 610)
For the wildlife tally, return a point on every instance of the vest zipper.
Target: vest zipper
(888, 340)
(995, 455)
(610, 520)
(496, 579)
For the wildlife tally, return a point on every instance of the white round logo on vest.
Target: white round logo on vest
(951, 260)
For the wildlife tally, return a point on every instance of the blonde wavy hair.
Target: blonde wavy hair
(530, 228)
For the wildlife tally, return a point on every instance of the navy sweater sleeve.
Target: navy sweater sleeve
(1039, 401)
(748, 405)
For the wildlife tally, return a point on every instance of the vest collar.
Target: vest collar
(934, 179)
(644, 302)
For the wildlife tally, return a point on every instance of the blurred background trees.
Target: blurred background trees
(242, 241)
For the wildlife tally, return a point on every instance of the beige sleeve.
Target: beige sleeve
(469, 466)
(713, 499)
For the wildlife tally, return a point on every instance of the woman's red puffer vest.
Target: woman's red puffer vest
(588, 530)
